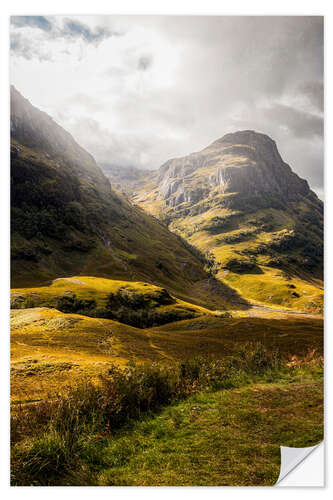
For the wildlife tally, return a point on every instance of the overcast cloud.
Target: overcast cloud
(140, 90)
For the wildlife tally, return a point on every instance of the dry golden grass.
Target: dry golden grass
(51, 350)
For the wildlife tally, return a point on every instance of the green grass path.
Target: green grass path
(229, 437)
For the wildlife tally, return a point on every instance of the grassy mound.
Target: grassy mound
(137, 304)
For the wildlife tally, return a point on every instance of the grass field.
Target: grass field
(220, 392)
(268, 285)
(50, 350)
(275, 289)
(225, 429)
(226, 438)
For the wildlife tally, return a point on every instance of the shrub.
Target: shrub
(241, 266)
(42, 461)
(126, 393)
(71, 304)
(143, 318)
(137, 309)
(255, 358)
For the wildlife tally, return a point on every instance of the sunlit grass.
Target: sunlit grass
(203, 422)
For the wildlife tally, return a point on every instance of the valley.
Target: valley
(57, 340)
(199, 284)
(257, 222)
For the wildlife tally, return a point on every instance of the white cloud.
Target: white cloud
(171, 85)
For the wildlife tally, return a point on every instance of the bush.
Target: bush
(211, 266)
(241, 266)
(144, 317)
(47, 458)
(255, 358)
(137, 309)
(71, 304)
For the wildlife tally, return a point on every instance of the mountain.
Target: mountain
(67, 220)
(124, 179)
(238, 200)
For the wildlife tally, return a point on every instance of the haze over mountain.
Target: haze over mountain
(124, 178)
(239, 200)
(66, 219)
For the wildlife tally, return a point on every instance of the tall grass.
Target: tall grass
(47, 437)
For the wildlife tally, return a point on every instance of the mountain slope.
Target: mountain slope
(66, 219)
(240, 201)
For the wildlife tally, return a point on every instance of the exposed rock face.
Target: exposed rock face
(243, 162)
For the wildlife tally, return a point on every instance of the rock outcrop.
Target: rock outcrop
(243, 162)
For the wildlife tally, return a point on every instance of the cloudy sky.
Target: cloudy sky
(140, 90)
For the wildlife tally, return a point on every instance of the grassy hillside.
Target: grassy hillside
(66, 219)
(226, 438)
(59, 227)
(133, 303)
(267, 255)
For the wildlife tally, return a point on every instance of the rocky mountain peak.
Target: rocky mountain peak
(241, 162)
(249, 137)
(238, 199)
(259, 145)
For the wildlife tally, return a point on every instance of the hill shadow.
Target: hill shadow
(216, 287)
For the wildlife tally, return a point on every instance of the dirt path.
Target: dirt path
(156, 348)
(261, 308)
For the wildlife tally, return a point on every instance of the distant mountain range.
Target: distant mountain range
(238, 200)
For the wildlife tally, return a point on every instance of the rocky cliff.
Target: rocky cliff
(244, 162)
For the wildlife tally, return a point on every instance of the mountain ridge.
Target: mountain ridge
(36, 129)
(234, 208)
